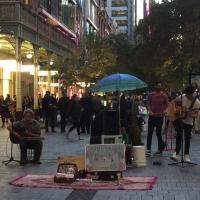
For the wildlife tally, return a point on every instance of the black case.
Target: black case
(100, 175)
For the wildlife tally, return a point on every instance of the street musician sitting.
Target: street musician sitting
(30, 129)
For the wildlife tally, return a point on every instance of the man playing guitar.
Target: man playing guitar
(187, 122)
(30, 128)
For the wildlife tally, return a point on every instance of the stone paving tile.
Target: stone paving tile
(157, 197)
(113, 197)
(125, 197)
(169, 197)
(135, 197)
(101, 197)
(81, 195)
(178, 197)
(149, 197)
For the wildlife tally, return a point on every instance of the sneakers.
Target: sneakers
(148, 153)
(187, 158)
(175, 157)
(158, 153)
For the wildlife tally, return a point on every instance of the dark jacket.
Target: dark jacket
(86, 105)
(63, 104)
(46, 101)
(74, 109)
(4, 109)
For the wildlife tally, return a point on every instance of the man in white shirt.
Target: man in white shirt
(186, 123)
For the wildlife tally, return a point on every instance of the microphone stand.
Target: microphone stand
(6, 162)
(182, 132)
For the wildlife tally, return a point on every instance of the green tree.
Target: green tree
(99, 57)
(123, 50)
(89, 62)
(168, 41)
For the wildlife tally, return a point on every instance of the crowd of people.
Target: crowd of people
(80, 111)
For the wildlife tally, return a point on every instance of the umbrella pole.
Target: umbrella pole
(118, 92)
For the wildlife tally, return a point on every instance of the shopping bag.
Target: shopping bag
(58, 117)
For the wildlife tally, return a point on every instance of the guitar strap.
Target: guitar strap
(193, 102)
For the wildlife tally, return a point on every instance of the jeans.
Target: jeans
(63, 121)
(155, 122)
(180, 127)
(51, 117)
(76, 124)
(85, 122)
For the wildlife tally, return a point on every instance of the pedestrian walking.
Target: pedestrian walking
(87, 111)
(74, 111)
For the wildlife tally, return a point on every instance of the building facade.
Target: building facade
(32, 32)
(122, 12)
(96, 18)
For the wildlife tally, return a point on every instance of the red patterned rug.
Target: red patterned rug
(125, 183)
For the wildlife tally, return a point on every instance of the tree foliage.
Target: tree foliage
(168, 41)
(89, 62)
(123, 50)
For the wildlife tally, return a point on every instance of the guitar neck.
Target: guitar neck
(31, 138)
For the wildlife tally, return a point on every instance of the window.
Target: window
(122, 22)
(122, 31)
(119, 3)
(116, 13)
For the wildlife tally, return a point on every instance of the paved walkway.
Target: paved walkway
(174, 182)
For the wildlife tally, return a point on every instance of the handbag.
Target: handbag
(58, 117)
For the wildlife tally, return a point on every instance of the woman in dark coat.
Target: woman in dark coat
(74, 111)
(3, 110)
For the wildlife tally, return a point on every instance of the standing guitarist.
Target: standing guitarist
(191, 105)
(28, 127)
(157, 105)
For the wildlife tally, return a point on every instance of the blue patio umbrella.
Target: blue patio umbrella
(118, 82)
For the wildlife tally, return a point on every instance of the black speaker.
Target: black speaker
(111, 122)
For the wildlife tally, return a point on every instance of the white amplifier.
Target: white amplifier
(111, 139)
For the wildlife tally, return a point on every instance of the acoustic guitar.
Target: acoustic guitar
(21, 131)
(182, 114)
